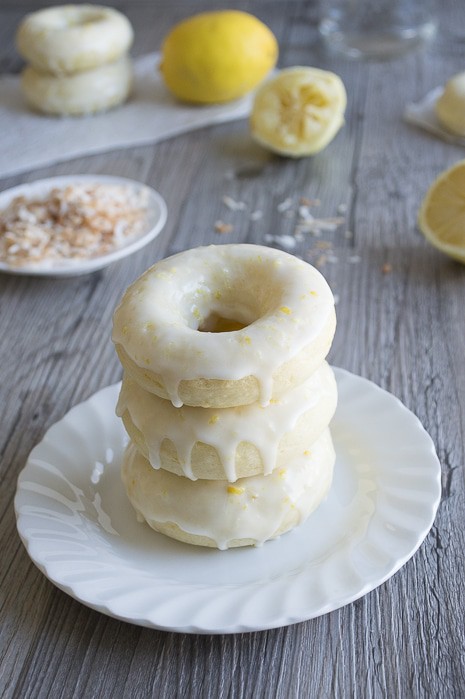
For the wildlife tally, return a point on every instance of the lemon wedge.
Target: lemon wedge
(441, 217)
(298, 111)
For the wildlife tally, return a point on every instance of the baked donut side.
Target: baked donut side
(82, 93)
(221, 515)
(228, 443)
(73, 38)
(165, 328)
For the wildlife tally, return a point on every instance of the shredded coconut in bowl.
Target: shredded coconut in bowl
(76, 222)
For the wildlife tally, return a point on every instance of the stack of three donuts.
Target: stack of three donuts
(78, 60)
(230, 443)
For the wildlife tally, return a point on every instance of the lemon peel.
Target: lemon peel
(441, 217)
(298, 111)
(219, 56)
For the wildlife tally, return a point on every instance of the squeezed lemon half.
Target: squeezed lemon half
(441, 217)
(298, 111)
(217, 56)
(450, 107)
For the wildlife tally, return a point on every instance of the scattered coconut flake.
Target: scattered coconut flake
(233, 204)
(316, 225)
(354, 259)
(256, 215)
(284, 205)
(336, 299)
(304, 212)
(342, 209)
(285, 241)
(222, 227)
(348, 234)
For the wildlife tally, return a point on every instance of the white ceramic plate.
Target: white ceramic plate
(155, 220)
(81, 532)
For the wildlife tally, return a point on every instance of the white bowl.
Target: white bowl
(155, 220)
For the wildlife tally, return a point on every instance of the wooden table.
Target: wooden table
(401, 323)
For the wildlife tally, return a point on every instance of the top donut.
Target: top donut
(73, 38)
(224, 325)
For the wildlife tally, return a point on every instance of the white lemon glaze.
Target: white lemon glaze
(73, 38)
(280, 431)
(285, 304)
(216, 513)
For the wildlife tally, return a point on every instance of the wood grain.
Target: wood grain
(404, 329)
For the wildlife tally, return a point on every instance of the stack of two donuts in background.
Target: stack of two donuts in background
(226, 394)
(78, 60)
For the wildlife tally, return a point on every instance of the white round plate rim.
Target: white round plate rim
(72, 268)
(284, 596)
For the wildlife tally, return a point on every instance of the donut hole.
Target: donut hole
(85, 17)
(55, 18)
(235, 300)
(215, 323)
(84, 21)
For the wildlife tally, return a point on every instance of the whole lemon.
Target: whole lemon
(217, 56)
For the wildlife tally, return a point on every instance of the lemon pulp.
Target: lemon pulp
(298, 111)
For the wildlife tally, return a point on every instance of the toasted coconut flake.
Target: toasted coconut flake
(233, 204)
(79, 221)
(284, 205)
(222, 227)
(285, 241)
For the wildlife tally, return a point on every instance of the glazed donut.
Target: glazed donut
(167, 328)
(229, 443)
(450, 106)
(83, 93)
(221, 515)
(73, 38)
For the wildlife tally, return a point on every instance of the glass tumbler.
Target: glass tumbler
(376, 28)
